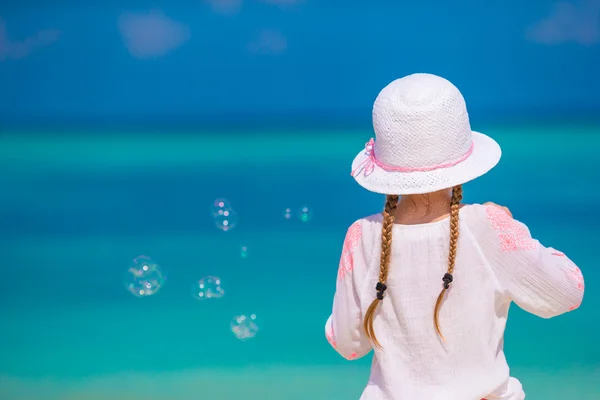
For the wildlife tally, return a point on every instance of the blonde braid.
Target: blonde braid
(454, 212)
(389, 216)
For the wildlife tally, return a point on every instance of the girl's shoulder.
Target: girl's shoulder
(477, 214)
(488, 218)
(365, 226)
(482, 215)
(368, 223)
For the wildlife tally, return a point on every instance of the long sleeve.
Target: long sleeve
(344, 328)
(540, 280)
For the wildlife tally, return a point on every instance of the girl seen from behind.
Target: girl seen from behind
(428, 283)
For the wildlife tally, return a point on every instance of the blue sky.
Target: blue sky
(221, 59)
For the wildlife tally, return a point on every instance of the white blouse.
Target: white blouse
(497, 263)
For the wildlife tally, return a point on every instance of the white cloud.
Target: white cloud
(228, 7)
(10, 49)
(282, 3)
(569, 23)
(268, 42)
(152, 34)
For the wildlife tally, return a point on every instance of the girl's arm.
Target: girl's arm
(540, 280)
(344, 328)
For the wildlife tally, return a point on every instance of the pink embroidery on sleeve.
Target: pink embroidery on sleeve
(508, 242)
(352, 356)
(575, 274)
(347, 261)
(512, 235)
(558, 254)
(499, 219)
(329, 336)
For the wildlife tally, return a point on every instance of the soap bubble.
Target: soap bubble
(305, 214)
(208, 288)
(219, 207)
(287, 213)
(244, 252)
(227, 221)
(144, 277)
(223, 214)
(244, 327)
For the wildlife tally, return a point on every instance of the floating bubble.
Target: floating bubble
(287, 213)
(220, 207)
(305, 214)
(227, 221)
(144, 277)
(208, 288)
(244, 327)
(244, 252)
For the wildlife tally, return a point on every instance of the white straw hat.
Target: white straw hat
(424, 141)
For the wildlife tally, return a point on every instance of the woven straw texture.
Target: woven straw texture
(423, 139)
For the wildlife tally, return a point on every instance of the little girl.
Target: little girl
(433, 302)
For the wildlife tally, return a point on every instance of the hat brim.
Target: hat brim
(485, 155)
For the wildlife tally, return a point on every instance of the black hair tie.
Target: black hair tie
(447, 280)
(380, 287)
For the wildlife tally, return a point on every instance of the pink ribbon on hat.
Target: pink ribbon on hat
(368, 164)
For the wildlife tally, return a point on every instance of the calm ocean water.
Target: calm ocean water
(75, 209)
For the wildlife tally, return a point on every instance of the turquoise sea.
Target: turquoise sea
(77, 207)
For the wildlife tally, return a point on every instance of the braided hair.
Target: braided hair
(389, 214)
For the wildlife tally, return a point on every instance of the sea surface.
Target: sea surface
(77, 207)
